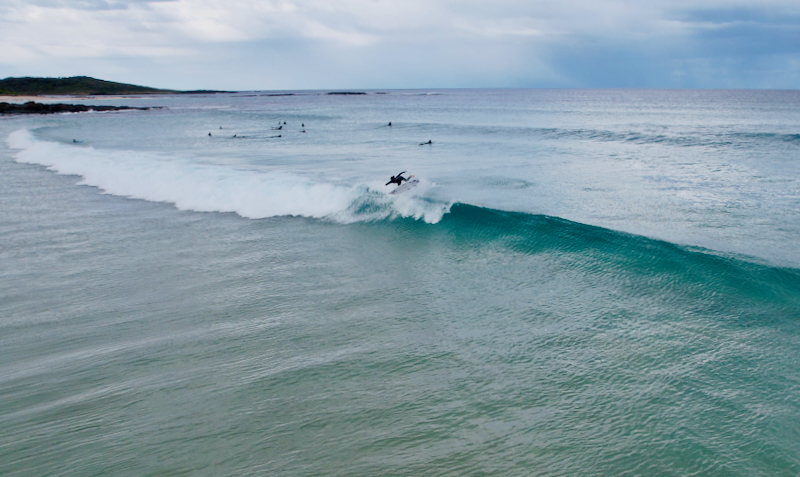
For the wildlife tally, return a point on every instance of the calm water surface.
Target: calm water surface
(585, 282)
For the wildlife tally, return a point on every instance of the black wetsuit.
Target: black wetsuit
(397, 180)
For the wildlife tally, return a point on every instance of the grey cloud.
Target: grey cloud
(248, 44)
(745, 32)
(88, 5)
(760, 15)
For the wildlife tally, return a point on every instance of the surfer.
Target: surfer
(426, 143)
(390, 124)
(397, 179)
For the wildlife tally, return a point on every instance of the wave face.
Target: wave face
(215, 188)
(696, 274)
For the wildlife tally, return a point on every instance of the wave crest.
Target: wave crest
(212, 188)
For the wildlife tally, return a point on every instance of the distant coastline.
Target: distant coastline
(29, 89)
(80, 86)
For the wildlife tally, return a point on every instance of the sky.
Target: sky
(375, 44)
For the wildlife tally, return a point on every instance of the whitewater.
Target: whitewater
(594, 282)
(213, 188)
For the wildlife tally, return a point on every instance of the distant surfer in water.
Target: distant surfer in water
(397, 179)
(426, 143)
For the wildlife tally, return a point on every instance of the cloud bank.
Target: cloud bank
(309, 44)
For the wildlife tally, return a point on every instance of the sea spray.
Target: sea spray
(194, 186)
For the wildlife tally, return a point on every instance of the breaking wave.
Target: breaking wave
(213, 188)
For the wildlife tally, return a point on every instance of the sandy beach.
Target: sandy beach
(23, 99)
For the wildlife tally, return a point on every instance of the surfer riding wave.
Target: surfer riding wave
(398, 179)
(401, 188)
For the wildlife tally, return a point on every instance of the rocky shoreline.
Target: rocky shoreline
(32, 107)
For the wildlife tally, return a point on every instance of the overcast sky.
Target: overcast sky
(319, 44)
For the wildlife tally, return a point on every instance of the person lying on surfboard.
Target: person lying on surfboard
(397, 179)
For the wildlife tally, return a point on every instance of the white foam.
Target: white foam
(215, 188)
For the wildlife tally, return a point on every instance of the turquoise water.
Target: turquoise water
(586, 282)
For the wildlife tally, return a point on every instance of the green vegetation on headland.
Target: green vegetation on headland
(75, 85)
(78, 85)
(39, 108)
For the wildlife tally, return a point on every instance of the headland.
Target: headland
(19, 95)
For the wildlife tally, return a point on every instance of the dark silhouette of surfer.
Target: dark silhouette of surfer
(390, 124)
(209, 134)
(426, 143)
(397, 179)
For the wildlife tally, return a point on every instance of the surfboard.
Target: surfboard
(402, 188)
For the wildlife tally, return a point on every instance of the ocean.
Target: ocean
(584, 282)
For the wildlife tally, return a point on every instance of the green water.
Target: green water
(139, 339)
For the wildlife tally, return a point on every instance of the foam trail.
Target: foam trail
(212, 188)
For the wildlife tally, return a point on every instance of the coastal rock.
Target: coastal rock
(32, 107)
